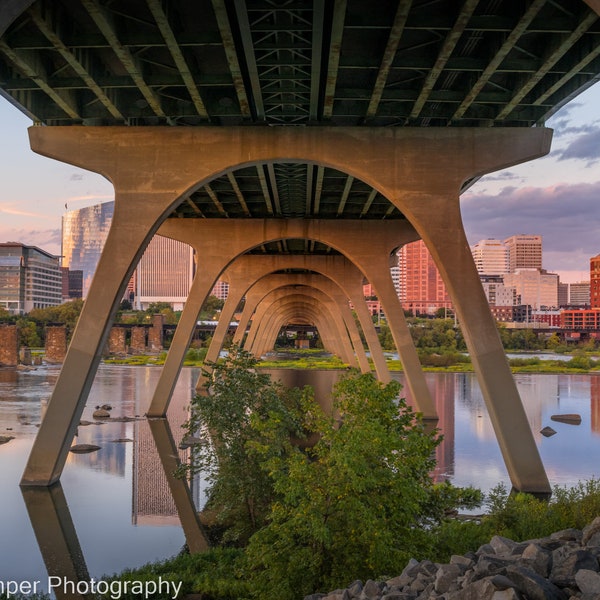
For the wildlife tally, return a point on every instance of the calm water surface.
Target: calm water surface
(118, 505)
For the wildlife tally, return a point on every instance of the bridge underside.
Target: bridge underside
(420, 172)
(295, 146)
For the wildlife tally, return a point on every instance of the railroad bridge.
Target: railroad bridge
(295, 144)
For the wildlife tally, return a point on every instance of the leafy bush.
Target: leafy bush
(213, 574)
(520, 516)
(236, 396)
(195, 355)
(357, 504)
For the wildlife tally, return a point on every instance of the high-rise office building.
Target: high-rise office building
(496, 292)
(524, 252)
(72, 284)
(29, 278)
(164, 273)
(395, 274)
(563, 294)
(595, 281)
(491, 257)
(534, 287)
(579, 293)
(220, 290)
(422, 289)
(84, 232)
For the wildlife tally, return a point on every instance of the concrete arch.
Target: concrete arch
(366, 244)
(338, 340)
(418, 169)
(327, 286)
(285, 308)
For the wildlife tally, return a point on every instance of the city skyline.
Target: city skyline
(557, 196)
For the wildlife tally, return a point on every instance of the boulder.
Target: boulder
(569, 418)
(588, 582)
(84, 448)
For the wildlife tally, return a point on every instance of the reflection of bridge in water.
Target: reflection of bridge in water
(375, 117)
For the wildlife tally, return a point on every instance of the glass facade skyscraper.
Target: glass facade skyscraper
(84, 232)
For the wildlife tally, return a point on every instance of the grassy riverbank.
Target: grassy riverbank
(432, 362)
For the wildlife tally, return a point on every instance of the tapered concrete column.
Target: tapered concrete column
(140, 202)
(436, 215)
(123, 248)
(449, 247)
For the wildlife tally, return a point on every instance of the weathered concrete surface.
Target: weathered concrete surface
(420, 170)
(9, 345)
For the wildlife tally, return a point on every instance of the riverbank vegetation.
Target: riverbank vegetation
(439, 342)
(314, 498)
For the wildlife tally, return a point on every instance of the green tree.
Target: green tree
(211, 307)
(235, 397)
(386, 339)
(355, 504)
(553, 342)
(29, 334)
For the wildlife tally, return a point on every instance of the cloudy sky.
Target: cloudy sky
(557, 196)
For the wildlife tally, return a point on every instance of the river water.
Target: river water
(117, 508)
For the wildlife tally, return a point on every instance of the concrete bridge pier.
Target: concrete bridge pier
(295, 302)
(420, 170)
(240, 284)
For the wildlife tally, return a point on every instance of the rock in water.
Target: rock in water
(84, 448)
(548, 431)
(101, 414)
(4, 439)
(569, 419)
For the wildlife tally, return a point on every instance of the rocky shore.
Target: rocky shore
(563, 566)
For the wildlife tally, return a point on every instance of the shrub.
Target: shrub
(357, 504)
(235, 397)
(520, 516)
